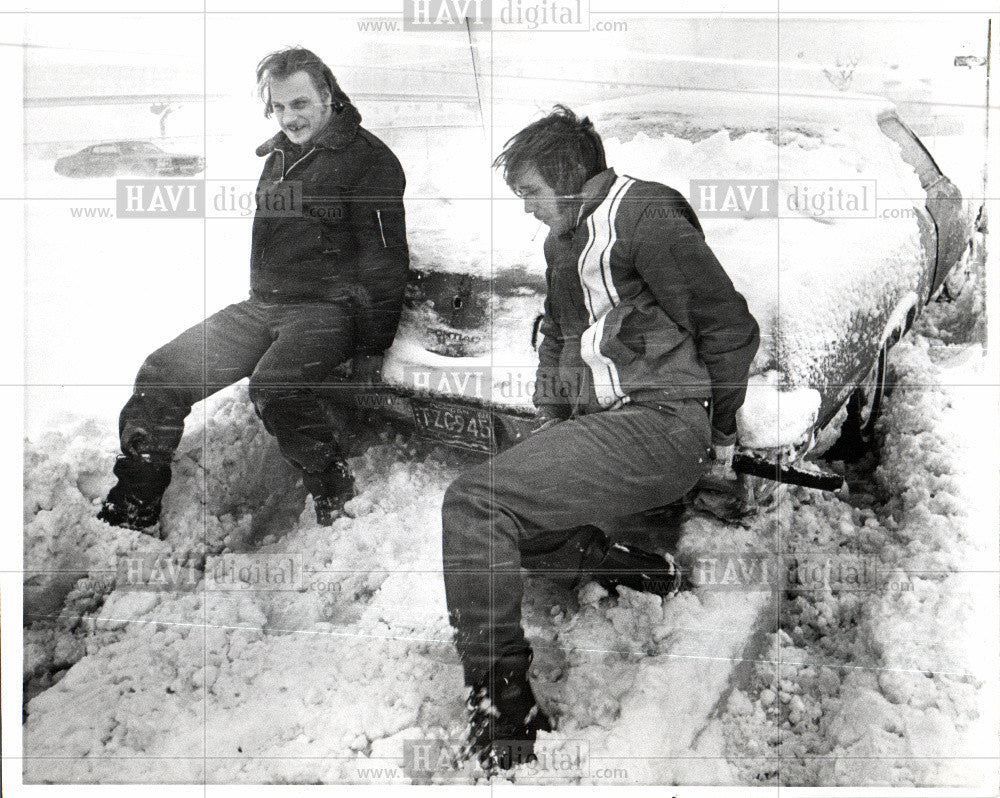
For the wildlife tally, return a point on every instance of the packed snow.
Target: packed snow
(253, 646)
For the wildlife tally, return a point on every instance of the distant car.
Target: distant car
(832, 290)
(139, 158)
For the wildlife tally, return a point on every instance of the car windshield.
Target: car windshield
(140, 146)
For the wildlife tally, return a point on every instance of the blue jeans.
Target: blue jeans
(285, 350)
(536, 505)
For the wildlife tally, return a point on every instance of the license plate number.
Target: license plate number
(456, 425)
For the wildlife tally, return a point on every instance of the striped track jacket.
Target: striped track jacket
(639, 309)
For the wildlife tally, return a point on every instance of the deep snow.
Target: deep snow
(335, 649)
(916, 703)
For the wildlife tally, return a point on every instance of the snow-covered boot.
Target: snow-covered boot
(504, 717)
(134, 503)
(330, 489)
(639, 570)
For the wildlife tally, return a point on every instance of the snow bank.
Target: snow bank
(892, 681)
(229, 655)
(324, 674)
(928, 723)
(315, 655)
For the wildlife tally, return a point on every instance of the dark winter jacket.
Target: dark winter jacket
(639, 309)
(330, 226)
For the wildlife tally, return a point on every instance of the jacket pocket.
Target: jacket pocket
(620, 341)
(636, 346)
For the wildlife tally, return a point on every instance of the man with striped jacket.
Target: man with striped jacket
(643, 364)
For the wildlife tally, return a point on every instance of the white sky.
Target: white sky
(914, 47)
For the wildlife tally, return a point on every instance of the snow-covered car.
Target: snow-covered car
(833, 283)
(111, 158)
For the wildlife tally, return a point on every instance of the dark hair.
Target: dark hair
(284, 63)
(565, 149)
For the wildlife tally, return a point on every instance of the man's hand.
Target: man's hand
(367, 369)
(722, 462)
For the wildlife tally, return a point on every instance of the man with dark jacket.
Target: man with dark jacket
(328, 268)
(644, 362)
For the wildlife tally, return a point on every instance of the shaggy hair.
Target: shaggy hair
(565, 149)
(284, 63)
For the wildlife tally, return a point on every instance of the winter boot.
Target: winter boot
(330, 489)
(134, 503)
(639, 570)
(504, 717)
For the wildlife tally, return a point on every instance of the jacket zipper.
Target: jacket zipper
(285, 174)
(378, 215)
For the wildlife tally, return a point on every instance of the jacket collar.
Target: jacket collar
(593, 194)
(339, 132)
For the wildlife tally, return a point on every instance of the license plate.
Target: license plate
(456, 425)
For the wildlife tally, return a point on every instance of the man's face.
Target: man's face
(542, 202)
(300, 110)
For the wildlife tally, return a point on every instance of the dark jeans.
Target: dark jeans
(535, 505)
(284, 349)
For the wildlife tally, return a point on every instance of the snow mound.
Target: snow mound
(881, 681)
(317, 653)
(296, 653)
